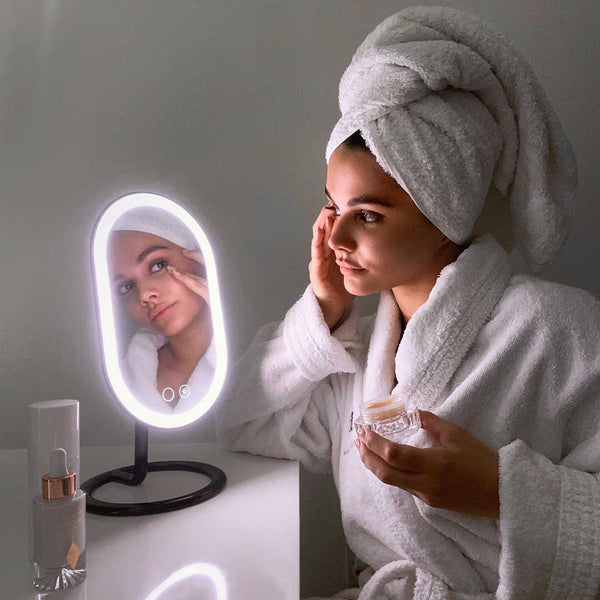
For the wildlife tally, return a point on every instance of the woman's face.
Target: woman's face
(145, 289)
(380, 238)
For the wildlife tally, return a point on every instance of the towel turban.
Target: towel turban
(452, 112)
(157, 222)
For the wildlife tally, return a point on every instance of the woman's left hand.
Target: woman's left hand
(195, 283)
(457, 473)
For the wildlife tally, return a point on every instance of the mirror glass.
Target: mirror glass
(159, 309)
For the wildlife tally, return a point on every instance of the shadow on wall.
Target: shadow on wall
(325, 566)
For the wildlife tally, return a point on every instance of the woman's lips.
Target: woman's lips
(348, 269)
(159, 314)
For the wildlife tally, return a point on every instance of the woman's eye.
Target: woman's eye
(124, 288)
(158, 265)
(368, 217)
(334, 210)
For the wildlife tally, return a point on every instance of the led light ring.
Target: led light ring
(107, 319)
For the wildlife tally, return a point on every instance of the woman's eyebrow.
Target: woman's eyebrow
(142, 255)
(366, 199)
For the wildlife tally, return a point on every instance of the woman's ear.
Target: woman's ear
(450, 247)
(445, 241)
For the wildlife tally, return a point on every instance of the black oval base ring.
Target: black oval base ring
(132, 509)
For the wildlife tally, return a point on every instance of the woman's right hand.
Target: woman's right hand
(326, 280)
(193, 282)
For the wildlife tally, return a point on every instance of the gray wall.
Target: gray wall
(224, 106)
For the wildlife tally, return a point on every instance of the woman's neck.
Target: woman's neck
(190, 345)
(412, 296)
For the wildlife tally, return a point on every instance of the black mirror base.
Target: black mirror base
(126, 474)
(135, 474)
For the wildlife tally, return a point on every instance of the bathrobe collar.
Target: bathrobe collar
(441, 331)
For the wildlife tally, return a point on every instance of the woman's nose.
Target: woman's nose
(147, 293)
(340, 237)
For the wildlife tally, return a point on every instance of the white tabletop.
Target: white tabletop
(246, 538)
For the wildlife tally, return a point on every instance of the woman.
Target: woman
(498, 495)
(159, 282)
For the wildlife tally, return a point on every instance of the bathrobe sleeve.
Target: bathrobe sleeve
(550, 511)
(282, 400)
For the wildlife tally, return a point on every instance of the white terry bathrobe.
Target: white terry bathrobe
(140, 368)
(513, 359)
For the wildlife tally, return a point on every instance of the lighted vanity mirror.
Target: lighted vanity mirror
(159, 309)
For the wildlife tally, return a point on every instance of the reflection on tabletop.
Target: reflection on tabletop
(198, 580)
(78, 592)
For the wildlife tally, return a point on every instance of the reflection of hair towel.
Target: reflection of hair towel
(156, 221)
(451, 110)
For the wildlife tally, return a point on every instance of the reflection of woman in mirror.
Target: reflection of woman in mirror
(498, 496)
(159, 281)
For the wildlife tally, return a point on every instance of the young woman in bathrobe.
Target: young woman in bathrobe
(498, 495)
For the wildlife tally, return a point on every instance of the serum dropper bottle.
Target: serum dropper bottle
(59, 528)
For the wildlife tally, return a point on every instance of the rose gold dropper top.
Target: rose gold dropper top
(60, 482)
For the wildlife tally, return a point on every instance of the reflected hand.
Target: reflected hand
(326, 280)
(457, 473)
(195, 283)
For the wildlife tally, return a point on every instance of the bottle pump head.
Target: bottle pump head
(60, 482)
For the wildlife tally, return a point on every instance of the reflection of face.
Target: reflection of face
(145, 289)
(377, 229)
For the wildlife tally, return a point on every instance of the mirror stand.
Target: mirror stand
(135, 474)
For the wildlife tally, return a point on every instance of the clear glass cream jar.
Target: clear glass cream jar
(392, 417)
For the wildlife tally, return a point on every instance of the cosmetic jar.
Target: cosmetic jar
(392, 417)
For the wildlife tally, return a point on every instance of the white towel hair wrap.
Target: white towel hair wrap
(451, 110)
(157, 221)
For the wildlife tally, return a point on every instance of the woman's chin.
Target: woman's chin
(166, 329)
(357, 289)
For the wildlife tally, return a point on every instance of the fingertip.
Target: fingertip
(194, 253)
(425, 417)
(369, 434)
(435, 424)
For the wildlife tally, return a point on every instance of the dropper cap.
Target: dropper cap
(60, 482)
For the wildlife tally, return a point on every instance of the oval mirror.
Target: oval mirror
(160, 312)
